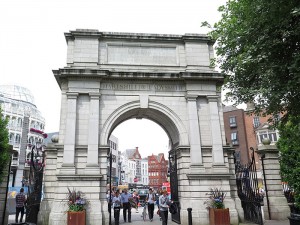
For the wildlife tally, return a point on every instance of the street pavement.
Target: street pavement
(136, 219)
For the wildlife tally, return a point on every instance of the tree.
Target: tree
(258, 49)
(4, 146)
(289, 145)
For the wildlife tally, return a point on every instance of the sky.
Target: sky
(32, 44)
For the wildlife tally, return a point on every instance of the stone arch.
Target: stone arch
(157, 112)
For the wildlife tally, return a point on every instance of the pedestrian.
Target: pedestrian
(136, 197)
(150, 199)
(109, 197)
(164, 203)
(117, 206)
(125, 198)
(20, 205)
(158, 194)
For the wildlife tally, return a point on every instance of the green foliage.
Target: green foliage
(4, 146)
(258, 49)
(289, 146)
(76, 200)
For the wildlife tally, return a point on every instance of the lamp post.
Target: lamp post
(120, 172)
(110, 171)
(35, 182)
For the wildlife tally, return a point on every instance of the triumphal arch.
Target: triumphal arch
(113, 77)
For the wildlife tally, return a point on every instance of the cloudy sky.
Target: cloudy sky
(32, 44)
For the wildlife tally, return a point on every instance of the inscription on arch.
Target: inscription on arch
(142, 87)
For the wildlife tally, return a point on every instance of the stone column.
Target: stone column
(216, 135)
(68, 166)
(194, 132)
(278, 206)
(92, 165)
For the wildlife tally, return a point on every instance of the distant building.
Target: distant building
(144, 171)
(235, 132)
(26, 127)
(134, 162)
(114, 145)
(244, 130)
(157, 170)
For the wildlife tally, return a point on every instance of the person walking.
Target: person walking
(125, 197)
(109, 198)
(117, 206)
(136, 197)
(151, 200)
(20, 205)
(164, 203)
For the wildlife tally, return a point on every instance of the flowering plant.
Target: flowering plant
(216, 198)
(76, 201)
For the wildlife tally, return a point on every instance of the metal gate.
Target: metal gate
(248, 191)
(35, 183)
(174, 184)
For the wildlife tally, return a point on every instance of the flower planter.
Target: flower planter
(219, 216)
(76, 218)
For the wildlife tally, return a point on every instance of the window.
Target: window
(271, 134)
(234, 138)
(232, 121)
(256, 122)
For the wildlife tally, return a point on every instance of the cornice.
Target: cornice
(92, 33)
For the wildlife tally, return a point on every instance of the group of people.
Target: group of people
(125, 200)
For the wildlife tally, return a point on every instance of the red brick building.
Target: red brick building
(244, 130)
(157, 170)
(235, 132)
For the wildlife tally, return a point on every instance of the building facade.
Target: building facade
(26, 126)
(158, 170)
(235, 132)
(114, 146)
(144, 171)
(244, 129)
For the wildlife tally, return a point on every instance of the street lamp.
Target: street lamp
(120, 172)
(109, 155)
(35, 182)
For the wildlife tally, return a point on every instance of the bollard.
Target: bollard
(190, 216)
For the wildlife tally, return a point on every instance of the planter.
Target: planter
(219, 216)
(76, 218)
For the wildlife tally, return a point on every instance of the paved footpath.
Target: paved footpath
(271, 222)
(137, 220)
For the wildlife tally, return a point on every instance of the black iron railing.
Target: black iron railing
(248, 190)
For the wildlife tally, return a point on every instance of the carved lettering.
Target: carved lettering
(142, 87)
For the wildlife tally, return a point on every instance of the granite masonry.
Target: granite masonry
(112, 77)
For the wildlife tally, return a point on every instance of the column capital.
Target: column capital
(212, 98)
(94, 95)
(190, 97)
(72, 95)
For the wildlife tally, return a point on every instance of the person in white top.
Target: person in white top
(116, 205)
(150, 200)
